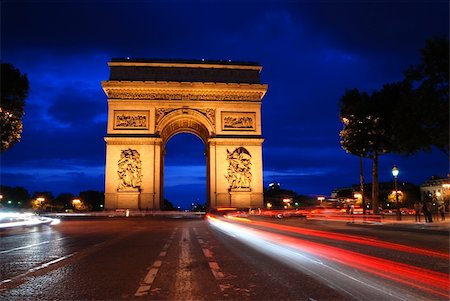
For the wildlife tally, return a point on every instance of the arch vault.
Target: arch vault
(149, 101)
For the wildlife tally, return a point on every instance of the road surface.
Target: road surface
(220, 259)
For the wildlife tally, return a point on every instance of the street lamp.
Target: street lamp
(321, 199)
(395, 172)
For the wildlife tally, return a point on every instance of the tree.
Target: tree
(168, 206)
(402, 117)
(93, 199)
(63, 200)
(13, 196)
(42, 200)
(427, 108)
(365, 132)
(14, 90)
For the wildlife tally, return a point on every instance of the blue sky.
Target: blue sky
(310, 52)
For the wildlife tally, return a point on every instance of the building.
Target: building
(436, 189)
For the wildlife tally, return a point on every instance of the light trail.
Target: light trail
(24, 220)
(319, 259)
(345, 237)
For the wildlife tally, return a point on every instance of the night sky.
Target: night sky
(310, 52)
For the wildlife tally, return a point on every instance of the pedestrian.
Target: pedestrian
(417, 207)
(352, 211)
(442, 211)
(427, 213)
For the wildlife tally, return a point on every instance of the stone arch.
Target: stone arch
(185, 121)
(150, 101)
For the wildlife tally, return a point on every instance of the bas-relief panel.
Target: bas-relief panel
(208, 113)
(238, 121)
(131, 120)
(239, 174)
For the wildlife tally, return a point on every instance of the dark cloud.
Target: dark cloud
(78, 108)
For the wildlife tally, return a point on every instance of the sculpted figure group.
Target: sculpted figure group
(129, 169)
(239, 168)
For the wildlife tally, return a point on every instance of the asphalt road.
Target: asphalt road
(220, 259)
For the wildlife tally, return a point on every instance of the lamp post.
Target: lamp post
(395, 174)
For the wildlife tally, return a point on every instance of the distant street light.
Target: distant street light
(395, 172)
(321, 199)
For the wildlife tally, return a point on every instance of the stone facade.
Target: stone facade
(150, 101)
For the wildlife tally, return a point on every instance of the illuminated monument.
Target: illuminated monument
(150, 101)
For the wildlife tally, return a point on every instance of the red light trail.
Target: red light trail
(420, 278)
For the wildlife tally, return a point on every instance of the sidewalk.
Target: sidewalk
(408, 223)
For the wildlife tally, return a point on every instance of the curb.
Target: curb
(400, 228)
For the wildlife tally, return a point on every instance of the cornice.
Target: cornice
(184, 65)
(192, 91)
(132, 140)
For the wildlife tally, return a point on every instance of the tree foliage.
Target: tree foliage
(426, 112)
(18, 196)
(93, 199)
(402, 117)
(14, 90)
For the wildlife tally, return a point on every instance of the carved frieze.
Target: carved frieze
(131, 120)
(239, 174)
(184, 95)
(208, 113)
(238, 121)
(129, 170)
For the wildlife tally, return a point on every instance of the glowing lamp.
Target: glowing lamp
(395, 171)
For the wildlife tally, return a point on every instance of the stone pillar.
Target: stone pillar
(147, 195)
(222, 193)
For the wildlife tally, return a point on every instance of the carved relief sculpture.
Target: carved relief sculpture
(208, 113)
(131, 119)
(238, 122)
(129, 170)
(239, 168)
(242, 121)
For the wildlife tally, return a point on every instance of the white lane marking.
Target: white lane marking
(184, 276)
(215, 269)
(213, 265)
(42, 266)
(147, 282)
(30, 246)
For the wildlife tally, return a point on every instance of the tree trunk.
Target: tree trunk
(361, 183)
(375, 183)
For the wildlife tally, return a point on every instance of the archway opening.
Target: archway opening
(185, 171)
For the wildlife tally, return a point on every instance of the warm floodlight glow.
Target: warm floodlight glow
(287, 200)
(76, 201)
(41, 199)
(446, 185)
(357, 195)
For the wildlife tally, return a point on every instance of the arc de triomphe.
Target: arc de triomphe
(150, 101)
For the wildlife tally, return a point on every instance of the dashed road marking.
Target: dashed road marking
(147, 282)
(213, 265)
